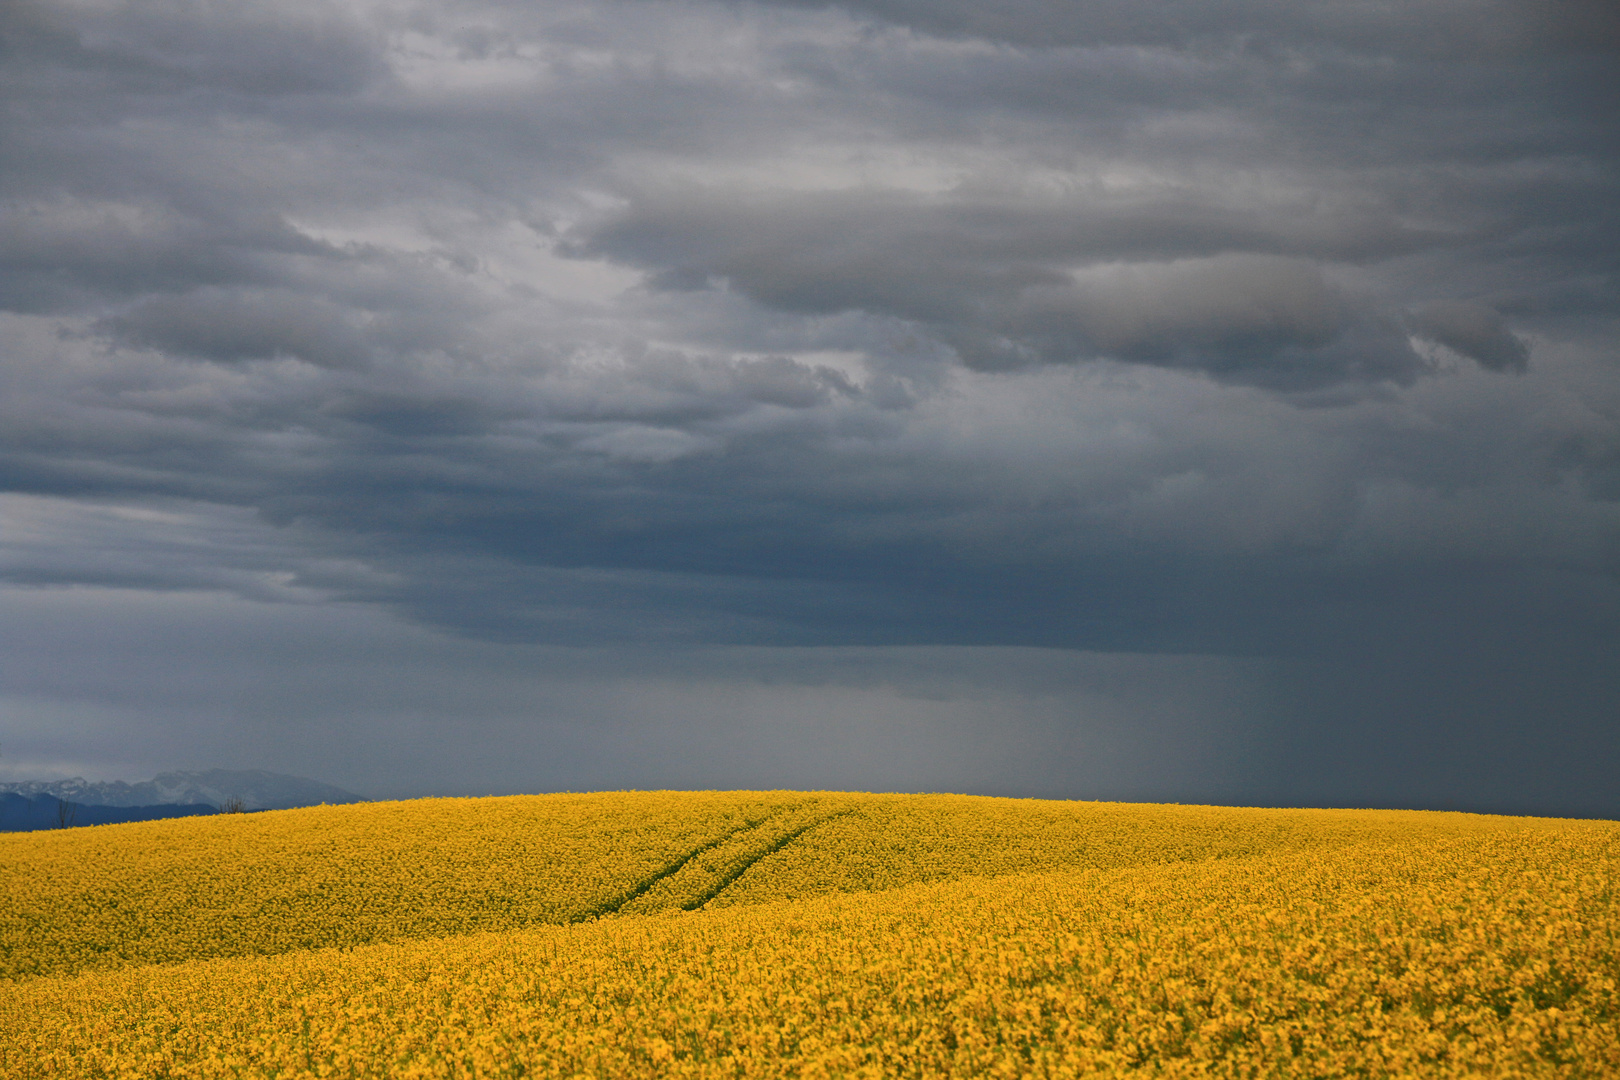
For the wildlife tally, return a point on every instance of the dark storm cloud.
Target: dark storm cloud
(1010, 286)
(1474, 330)
(215, 324)
(533, 717)
(1258, 330)
(1426, 28)
(67, 254)
(1321, 138)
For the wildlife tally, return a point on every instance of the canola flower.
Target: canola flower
(242, 885)
(256, 884)
(1198, 942)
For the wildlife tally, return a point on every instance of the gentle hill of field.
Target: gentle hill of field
(341, 876)
(1009, 938)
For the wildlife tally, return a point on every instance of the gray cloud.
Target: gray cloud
(342, 693)
(1474, 330)
(68, 254)
(1113, 328)
(216, 324)
(1005, 287)
(1425, 29)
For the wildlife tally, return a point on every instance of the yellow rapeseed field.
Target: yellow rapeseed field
(808, 935)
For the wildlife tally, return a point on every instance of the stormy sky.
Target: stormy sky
(1169, 400)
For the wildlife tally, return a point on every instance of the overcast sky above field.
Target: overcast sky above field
(1192, 401)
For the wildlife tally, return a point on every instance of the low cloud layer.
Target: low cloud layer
(1250, 331)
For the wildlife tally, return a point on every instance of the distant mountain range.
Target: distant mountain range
(33, 804)
(20, 813)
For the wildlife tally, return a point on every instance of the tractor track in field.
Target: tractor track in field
(738, 870)
(642, 887)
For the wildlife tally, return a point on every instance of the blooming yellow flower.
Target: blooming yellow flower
(820, 934)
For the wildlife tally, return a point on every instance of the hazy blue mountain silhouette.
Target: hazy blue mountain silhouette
(256, 789)
(19, 813)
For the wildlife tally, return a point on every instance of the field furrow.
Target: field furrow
(743, 866)
(717, 865)
(666, 872)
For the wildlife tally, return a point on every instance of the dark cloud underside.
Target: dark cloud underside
(1262, 332)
